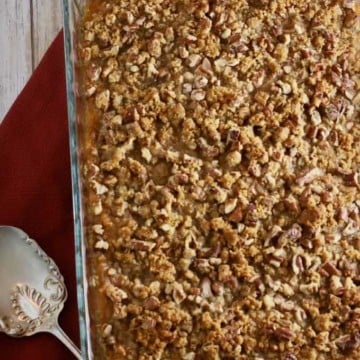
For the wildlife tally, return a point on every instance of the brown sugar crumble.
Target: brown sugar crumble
(221, 159)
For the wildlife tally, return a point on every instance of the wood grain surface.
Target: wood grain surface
(27, 27)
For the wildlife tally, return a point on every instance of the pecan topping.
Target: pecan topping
(220, 169)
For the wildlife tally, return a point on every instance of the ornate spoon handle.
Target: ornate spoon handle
(60, 334)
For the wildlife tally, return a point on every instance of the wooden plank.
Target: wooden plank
(15, 44)
(47, 21)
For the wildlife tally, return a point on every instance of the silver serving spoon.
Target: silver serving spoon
(32, 290)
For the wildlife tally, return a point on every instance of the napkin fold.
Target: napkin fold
(35, 190)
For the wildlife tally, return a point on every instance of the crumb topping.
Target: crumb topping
(221, 178)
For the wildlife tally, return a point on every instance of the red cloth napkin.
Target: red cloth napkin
(35, 190)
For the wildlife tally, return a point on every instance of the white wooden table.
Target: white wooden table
(27, 28)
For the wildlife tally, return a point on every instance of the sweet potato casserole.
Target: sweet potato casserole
(221, 162)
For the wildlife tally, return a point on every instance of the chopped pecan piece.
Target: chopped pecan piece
(331, 269)
(140, 245)
(309, 176)
(284, 333)
(206, 287)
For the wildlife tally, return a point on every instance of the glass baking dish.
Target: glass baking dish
(72, 12)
